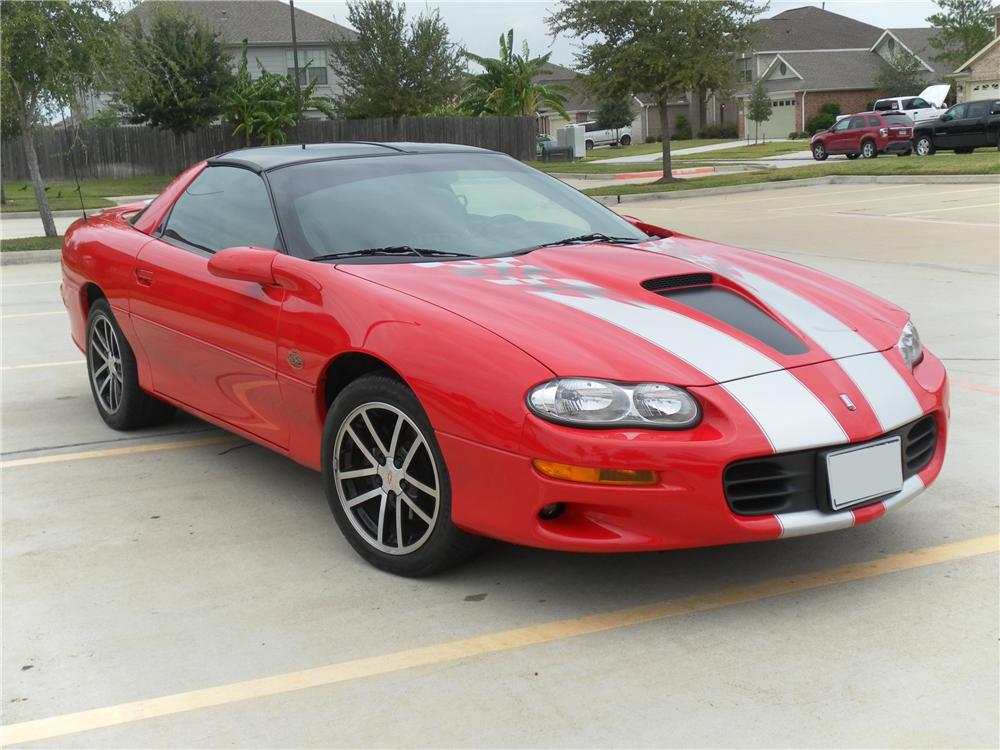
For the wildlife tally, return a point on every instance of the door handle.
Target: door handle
(144, 276)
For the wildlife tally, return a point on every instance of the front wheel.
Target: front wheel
(868, 150)
(114, 378)
(819, 152)
(924, 146)
(588, 145)
(386, 480)
(626, 140)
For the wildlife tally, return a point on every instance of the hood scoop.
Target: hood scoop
(696, 291)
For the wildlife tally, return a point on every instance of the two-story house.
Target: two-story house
(808, 56)
(266, 26)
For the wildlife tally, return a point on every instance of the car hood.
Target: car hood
(676, 309)
(936, 94)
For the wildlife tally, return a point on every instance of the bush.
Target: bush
(650, 139)
(797, 134)
(822, 121)
(682, 129)
(720, 131)
(870, 105)
(830, 108)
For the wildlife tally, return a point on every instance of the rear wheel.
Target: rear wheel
(924, 146)
(114, 379)
(625, 140)
(588, 144)
(819, 151)
(868, 150)
(387, 483)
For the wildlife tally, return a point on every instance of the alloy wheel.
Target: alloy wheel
(386, 478)
(105, 363)
(923, 147)
(868, 149)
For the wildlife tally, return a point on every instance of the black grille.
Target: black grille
(676, 282)
(790, 482)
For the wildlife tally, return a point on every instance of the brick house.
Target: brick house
(979, 76)
(809, 56)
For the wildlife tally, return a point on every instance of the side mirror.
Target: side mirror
(253, 264)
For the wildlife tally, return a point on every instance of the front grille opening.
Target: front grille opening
(919, 444)
(762, 486)
(676, 282)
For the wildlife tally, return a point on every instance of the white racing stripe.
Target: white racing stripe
(807, 522)
(788, 413)
(880, 383)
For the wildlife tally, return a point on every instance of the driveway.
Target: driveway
(657, 156)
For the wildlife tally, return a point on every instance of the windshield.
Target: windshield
(476, 204)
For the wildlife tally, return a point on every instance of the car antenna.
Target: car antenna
(76, 176)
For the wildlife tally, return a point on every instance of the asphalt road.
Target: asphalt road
(207, 581)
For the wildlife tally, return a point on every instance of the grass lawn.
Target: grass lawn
(30, 243)
(637, 149)
(984, 161)
(582, 167)
(63, 195)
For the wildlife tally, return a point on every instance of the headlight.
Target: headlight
(585, 402)
(909, 345)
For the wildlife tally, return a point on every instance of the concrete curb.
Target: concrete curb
(836, 179)
(23, 257)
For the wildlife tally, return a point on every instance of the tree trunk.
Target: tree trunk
(664, 110)
(44, 209)
(3, 195)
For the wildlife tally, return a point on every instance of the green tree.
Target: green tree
(509, 83)
(175, 73)
(661, 48)
(758, 107)
(266, 107)
(900, 75)
(395, 67)
(965, 28)
(615, 114)
(48, 52)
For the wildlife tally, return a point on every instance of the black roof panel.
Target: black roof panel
(264, 158)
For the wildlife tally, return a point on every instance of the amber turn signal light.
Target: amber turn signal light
(589, 475)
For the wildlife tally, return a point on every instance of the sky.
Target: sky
(476, 24)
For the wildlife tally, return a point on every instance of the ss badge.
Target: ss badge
(295, 359)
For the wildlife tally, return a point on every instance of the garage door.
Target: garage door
(781, 123)
(982, 90)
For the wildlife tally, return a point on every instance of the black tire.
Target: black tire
(588, 144)
(852, 156)
(923, 145)
(819, 151)
(113, 377)
(626, 140)
(869, 150)
(381, 399)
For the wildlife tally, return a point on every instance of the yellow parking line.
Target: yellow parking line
(44, 364)
(34, 314)
(110, 452)
(441, 653)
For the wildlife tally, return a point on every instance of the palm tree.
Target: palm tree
(507, 85)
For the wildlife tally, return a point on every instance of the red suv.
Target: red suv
(866, 134)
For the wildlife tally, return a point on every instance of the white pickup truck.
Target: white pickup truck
(921, 108)
(598, 136)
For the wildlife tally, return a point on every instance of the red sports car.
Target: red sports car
(469, 348)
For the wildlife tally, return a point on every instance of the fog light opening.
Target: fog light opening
(552, 510)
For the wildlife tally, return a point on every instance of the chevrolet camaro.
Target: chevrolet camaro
(468, 348)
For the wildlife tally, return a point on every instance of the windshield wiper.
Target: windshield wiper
(394, 250)
(593, 237)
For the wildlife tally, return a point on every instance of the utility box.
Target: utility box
(573, 136)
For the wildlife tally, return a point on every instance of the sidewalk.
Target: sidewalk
(657, 155)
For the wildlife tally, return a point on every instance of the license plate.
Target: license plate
(864, 472)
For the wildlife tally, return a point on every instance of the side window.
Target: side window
(874, 122)
(978, 109)
(956, 113)
(856, 123)
(841, 125)
(223, 207)
(590, 127)
(884, 105)
(917, 103)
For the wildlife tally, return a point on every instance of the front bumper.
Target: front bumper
(499, 494)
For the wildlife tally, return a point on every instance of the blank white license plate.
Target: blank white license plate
(864, 472)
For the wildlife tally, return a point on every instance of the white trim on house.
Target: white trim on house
(968, 63)
(797, 51)
(767, 70)
(903, 45)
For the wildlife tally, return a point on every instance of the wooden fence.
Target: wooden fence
(134, 151)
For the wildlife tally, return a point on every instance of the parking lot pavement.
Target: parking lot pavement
(210, 582)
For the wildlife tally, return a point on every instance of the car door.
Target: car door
(919, 110)
(211, 341)
(837, 142)
(849, 142)
(970, 130)
(946, 128)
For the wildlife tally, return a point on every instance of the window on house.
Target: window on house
(783, 68)
(744, 72)
(312, 65)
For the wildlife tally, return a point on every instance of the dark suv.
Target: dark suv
(961, 129)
